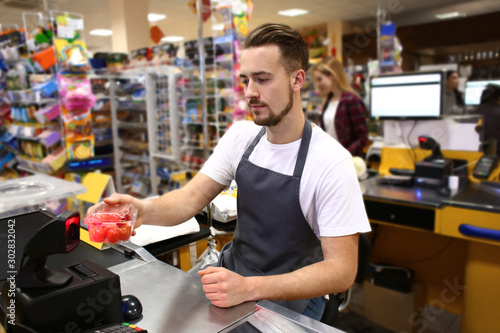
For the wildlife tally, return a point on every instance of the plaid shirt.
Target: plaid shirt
(350, 122)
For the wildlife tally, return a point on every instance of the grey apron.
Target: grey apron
(271, 236)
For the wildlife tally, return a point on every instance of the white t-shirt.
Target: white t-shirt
(330, 195)
(329, 119)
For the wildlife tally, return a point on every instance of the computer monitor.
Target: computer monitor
(416, 95)
(474, 89)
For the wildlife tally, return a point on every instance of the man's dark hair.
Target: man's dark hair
(490, 94)
(293, 48)
(458, 96)
(449, 73)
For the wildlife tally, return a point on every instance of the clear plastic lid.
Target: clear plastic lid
(112, 213)
(111, 223)
(34, 190)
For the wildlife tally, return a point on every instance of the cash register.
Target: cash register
(77, 296)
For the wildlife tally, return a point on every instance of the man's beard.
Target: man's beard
(273, 119)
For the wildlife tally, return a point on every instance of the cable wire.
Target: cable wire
(420, 260)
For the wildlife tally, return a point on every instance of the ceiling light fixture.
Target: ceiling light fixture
(450, 15)
(293, 12)
(172, 39)
(156, 17)
(101, 32)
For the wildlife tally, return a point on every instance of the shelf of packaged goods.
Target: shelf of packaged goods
(7, 161)
(131, 106)
(11, 62)
(129, 99)
(225, 93)
(36, 102)
(225, 60)
(166, 150)
(224, 40)
(167, 157)
(139, 159)
(19, 124)
(225, 113)
(135, 176)
(132, 126)
(51, 163)
(196, 68)
(163, 118)
(100, 111)
(128, 149)
(126, 187)
(190, 94)
(135, 144)
(46, 135)
(187, 146)
(100, 96)
(101, 121)
(198, 123)
(100, 143)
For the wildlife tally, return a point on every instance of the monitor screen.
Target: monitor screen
(474, 89)
(407, 95)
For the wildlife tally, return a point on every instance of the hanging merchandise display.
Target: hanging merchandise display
(76, 100)
(390, 49)
(241, 9)
(236, 16)
(74, 84)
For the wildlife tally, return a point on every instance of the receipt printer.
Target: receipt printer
(433, 173)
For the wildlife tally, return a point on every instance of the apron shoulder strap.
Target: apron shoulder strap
(304, 148)
(254, 143)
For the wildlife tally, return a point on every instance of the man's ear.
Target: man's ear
(298, 78)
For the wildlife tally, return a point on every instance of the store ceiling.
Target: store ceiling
(181, 21)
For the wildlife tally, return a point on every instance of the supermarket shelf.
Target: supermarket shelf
(135, 159)
(135, 176)
(139, 126)
(169, 157)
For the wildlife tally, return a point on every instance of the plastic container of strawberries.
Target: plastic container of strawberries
(111, 223)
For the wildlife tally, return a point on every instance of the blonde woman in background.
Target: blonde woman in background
(343, 113)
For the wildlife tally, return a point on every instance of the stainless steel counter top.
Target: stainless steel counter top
(484, 196)
(270, 317)
(371, 189)
(173, 300)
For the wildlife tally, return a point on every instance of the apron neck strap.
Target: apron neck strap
(304, 148)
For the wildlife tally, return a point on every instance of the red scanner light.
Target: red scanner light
(72, 232)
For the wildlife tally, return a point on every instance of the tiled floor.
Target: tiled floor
(351, 320)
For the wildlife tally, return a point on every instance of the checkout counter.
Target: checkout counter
(451, 242)
(172, 299)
